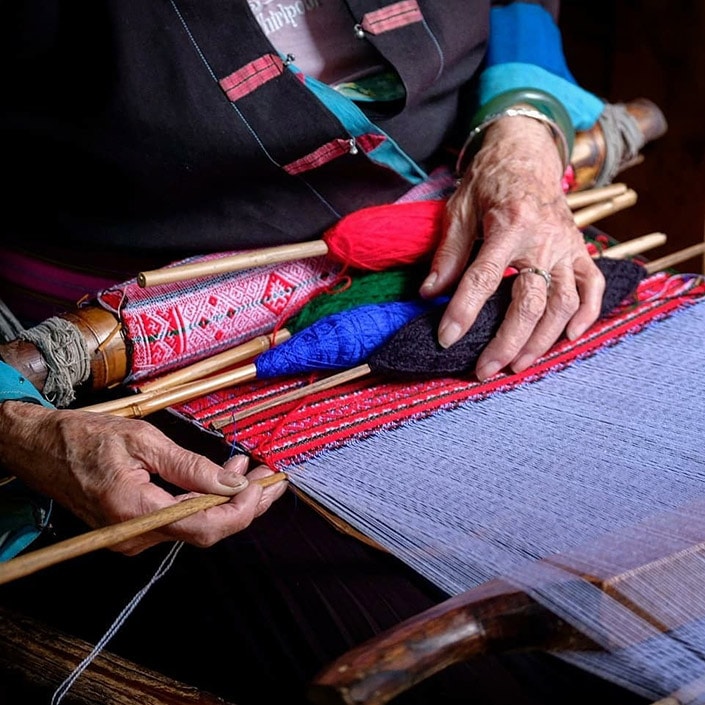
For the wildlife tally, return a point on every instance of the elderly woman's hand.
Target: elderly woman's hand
(102, 469)
(511, 199)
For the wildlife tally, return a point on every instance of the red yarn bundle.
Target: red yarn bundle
(379, 237)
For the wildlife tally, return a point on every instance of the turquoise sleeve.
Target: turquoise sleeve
(525, 49)
(23, 514)
(15, 387)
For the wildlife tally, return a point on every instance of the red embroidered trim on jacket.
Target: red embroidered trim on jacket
(392, 17)
(332, 150)
(251, 76)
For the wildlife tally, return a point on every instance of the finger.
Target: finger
(453, 252)
(478, 283)
(563, 301)
(194, 472)
(529, 298)
(591, 288)
(271, 493)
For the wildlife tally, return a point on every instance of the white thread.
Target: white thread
(164, 566)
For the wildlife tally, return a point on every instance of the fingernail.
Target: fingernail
(575, 332)
(487, 370)
(449, 333)
(430, 281)
(521, 363)
(232, 480)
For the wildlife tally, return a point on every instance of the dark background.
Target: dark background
(626, 49)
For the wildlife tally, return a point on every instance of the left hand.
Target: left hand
(511, 199)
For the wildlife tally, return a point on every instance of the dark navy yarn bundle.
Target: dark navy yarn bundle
(413, 351)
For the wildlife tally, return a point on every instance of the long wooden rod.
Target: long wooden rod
(675, 258)
(139, 406)
(579, 199)
(106, 536)
(591, 214)
(317, 248)
(41, 657)
(126, 406)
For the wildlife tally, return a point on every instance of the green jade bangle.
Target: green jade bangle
(542, 106)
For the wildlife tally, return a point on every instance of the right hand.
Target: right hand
(100, 468)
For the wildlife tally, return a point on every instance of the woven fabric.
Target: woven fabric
(173, 325)
(288, 435)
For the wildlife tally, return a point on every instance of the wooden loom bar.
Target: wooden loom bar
(578, 199)
(494, 616)
(43, 656)
(285, 253)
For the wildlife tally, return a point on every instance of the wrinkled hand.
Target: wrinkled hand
(511, 199)
(100, 468)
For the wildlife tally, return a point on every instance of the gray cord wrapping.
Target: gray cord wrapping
(66, 356)
(10, 327)
(623, 140)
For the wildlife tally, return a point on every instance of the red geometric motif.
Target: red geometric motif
(277, 293)
(172, 325)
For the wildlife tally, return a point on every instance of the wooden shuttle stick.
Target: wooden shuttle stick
(189, 375)
(216, 363)
(107, 536)
(294, 395)
(315, 248)
(675, 258)
(590, 214)
(579, 199)
(233, 263)
(636, 246)
(139, 406)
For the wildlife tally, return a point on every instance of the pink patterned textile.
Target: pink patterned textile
(172, 325)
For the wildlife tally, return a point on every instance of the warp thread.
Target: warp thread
(568, 469)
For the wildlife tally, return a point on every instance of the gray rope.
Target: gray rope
(66, 356)
(10, 327)
(623, 140)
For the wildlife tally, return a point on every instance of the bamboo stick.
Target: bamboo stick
(137, 407)
(216, 363)
(294, 395)
(590, 214)
(316, 248)
(675, 258)
(636, 246)
(578, 199)
(192, 373)
(233, 263)
(114, 534)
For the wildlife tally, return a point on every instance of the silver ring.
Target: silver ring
(541, 272)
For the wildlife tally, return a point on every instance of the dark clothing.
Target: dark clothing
(121, 129)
